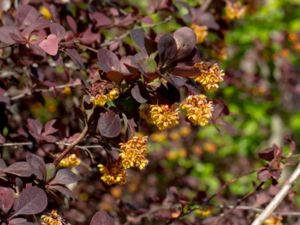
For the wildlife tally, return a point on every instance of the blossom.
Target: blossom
(164, 116)
(210, 75)
(200, 31)
(234, 10)
(273, 220)
(133, 152)
(45, 12)
(113, 173)
(113, 94)
(99, 100)
(70, 161)
(53, 219)
(198, 109)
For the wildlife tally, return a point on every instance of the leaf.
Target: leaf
(26, 15)
(38, 165)
(35, 128)
(50, 44)
(138, 35)
(108, 61)
(7, 33)
(102, 218)
(49, 129)
(72, 24)
(58, 30)
(109, 124)
(64, 177)
(32, 200)
(74, 55)
(100, 19)
(22, 169)
(63, 190)
(166, 49)
(19, 221)
(50, 171)
(136, 94)
(6, 199)
(2, 164)
(185, 39)
(2, 139)
(89, 37)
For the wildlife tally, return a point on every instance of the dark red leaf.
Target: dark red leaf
(185, 71)
(185, 39)
(108, 61)
(6, 199)
(64, 177)
(38, 165)
(22, 169)
(102, 218)
(100, 19)
(89, 37)
(32, 200)
(109, 124)
(72, 24)
(166, 49)
(136, 94)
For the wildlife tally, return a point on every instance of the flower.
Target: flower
(53, 219)
(45, 12)
(273, 220)
(133, 152)
(200, 31)
(113, 173)
(113, 94)
(210, 75)
(70, 161)
(99, 100)
(234, 10)
(164, 116)
(198, 109)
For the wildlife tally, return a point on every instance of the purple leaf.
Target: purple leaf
(63, 190)
(102, 218)
(32, 200)
(64, 177)
(2, 139)
(89, 37)
(108, 61)
(6, 199)
(2, 164)
(22, 169)
(19, 221)
(58, 30)
(100, 19)
(136, 94)
(74, 55)
(49, 129)
(35, 128)
(37, 164)
(50, 44)
(7, 34)
(26, 15)
(167, 48)
(138, 35)
(72, 24)
(109, 124)
(185, 39)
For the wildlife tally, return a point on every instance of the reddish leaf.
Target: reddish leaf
(136, 94)
(63, 190)
(2, 139)
(22, 169)
(37, 164)
(88, 37)
(263, 175)
(6, 199)
(64, 177)
(138, 35)
(72, 24)
(58, 30)
(74, 55)
(19, 221)
(166, 49)
(185, 40)
(102, 218)
(109, 124)
(50, 44)
(100, 19)
(35, 128)
(108, 61)
(7, 34)
(2, 164)
(26, 15)
(49, 129)
(32, 200)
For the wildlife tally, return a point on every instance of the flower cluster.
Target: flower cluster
(164, 116)
(133, 153)
(102, 99)
(273, 220)
(200, 31)
(210, 75)
(198, 109)
(113, 173)
(234, 10)
(53, 219)
(70, 161)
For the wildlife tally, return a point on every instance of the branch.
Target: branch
(71, 146)
(278, 198)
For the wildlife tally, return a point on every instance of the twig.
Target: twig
(278, 198)
(205, 5)
(71, 146)
(16, 144)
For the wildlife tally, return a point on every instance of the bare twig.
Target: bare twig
(71, 146)
(16, 144)
(278, 198)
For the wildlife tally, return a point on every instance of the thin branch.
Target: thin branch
(16, 144)
(71, 146)
(278, 198)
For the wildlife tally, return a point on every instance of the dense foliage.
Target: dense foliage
(148, 112)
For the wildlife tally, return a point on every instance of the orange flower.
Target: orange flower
(234, 11)
(113, 173)
(164, 116)
(200, 31)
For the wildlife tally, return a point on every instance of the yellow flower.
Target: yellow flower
(133, 152)
(53, 219)
(45, 12)
(113, 173)
(198, 109)
(273, 220)
(210, 75)
(203, 213)
(164, 116)
(113, 94)
(70, 161)
(67, 91)
(234, 10)
(158, 136)
(99, 100)
(200, 31)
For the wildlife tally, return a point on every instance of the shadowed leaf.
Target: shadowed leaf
(102, 218)
(109, 124)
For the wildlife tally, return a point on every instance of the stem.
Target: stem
(278, 198)
(71, 146)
